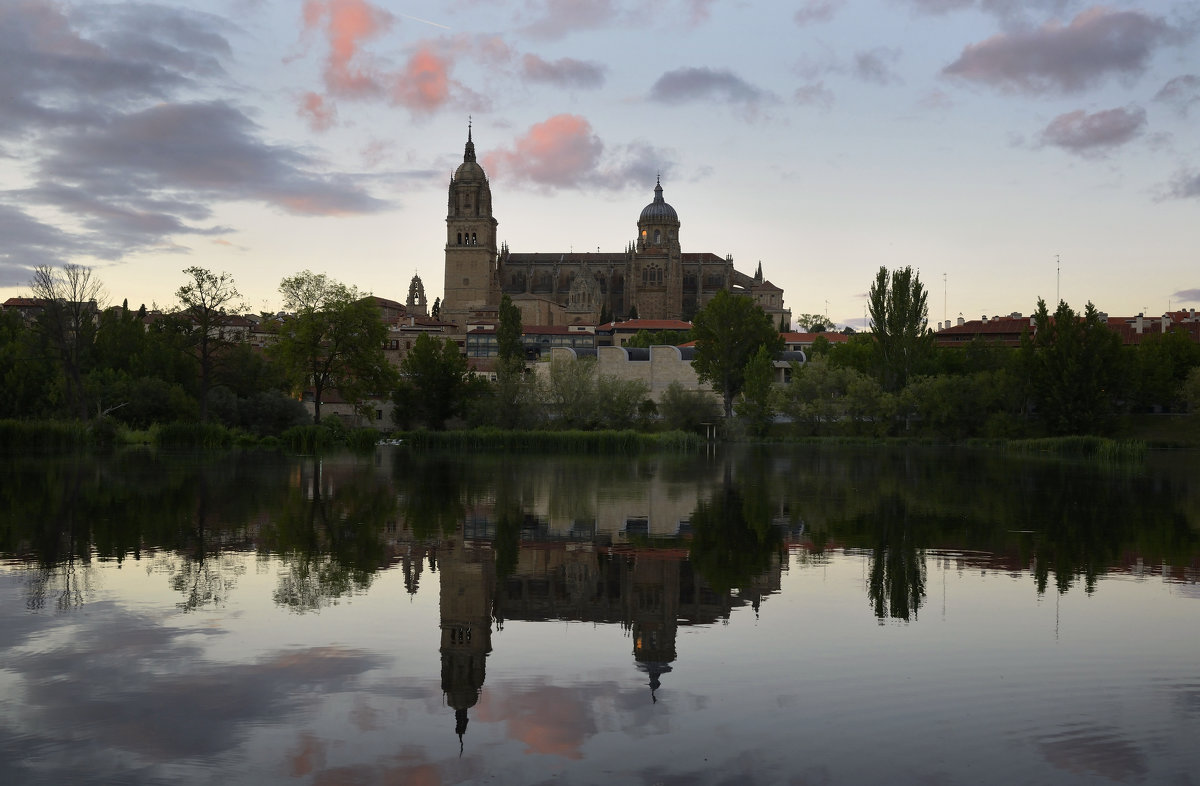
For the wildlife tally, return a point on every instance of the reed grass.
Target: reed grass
(594, 442)
(44, 434)
(193, 435)
(308, 439)
(1083, 446)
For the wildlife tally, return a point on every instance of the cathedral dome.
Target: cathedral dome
(469, 170)
(658, 210)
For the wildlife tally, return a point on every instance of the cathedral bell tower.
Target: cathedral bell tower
(470, 241)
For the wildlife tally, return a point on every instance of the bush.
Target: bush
(687, 410)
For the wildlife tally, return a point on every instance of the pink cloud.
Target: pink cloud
(319, 114)
(347, 24)
(424, 85)
(561, 151)
(548, 719)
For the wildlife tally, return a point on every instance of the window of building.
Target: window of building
(379, 414)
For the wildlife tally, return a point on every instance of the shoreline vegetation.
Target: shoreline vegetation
(58, 435)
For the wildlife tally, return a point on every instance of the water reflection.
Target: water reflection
(658, 548)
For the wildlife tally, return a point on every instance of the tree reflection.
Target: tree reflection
(433, 495)
(733, 539)
(329, 535)
(896, 585)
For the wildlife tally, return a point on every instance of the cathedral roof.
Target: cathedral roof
(658, 210)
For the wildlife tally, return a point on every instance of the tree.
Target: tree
(633, 312)
(809, 321)
(728, 332)
(899, 311)
(70, 304)
(436, 311)
(1070, 366)
(204, 299)
(333, 340)
(757, 407)
(509, 348)
(433, 381)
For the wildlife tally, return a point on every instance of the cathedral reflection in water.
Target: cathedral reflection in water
(629, 565)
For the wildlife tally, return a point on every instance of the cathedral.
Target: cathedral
(652, 278)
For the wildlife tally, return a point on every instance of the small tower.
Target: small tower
(470, 241)
(416, 305)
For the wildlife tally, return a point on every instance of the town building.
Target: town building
(651, 277)
(1006, 331)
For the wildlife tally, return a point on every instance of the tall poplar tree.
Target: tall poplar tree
(899, 309)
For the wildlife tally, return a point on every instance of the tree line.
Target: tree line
(78, 360)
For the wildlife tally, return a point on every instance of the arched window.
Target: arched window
(473, 242)
(460, 238)
(657, 235)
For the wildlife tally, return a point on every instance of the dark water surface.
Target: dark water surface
(795, 616)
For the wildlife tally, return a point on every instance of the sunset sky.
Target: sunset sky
(977, 140)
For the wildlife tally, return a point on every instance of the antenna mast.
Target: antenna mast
(1057, 280)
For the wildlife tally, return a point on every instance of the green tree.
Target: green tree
(633, 312)
(509, 347)
(27, 374)
(70, 303)
(333, 340)
(898, 305)
(728, 331)
(1070, 365)
(757, 404)
(433, 381)
(204, 300)
(809, 322)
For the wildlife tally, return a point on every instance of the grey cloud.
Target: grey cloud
(632, 165)
(814, 94)
(704, 84)
(200, 150)
(90, 102)
(1097, 44)
(816, 11)
(29, 242)
(1181, 92)
(557, 18)
(53, 76)
(168, 702)
(564, 72)
(1189, 296)
(1185, 185)
(1095, 133)
(875, 66)
(1003, 9)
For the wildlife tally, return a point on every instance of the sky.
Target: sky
(1006, 149)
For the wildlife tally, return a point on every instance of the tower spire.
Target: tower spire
(469, 152)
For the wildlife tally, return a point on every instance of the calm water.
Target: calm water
(799, 616)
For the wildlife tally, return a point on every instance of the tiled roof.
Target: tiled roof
(635, 325)
(808, 338)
